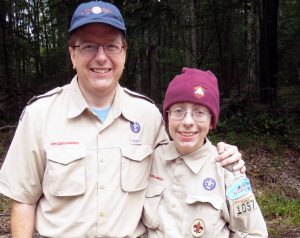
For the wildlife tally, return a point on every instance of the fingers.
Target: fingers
(240, 166)
(230, 155)
(221, 147)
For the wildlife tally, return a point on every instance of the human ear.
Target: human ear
(72, 56)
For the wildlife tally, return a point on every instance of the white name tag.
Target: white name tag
(244, 207)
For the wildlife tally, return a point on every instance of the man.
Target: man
(79, 162)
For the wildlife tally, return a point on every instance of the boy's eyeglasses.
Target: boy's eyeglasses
(92, 48)
(198, 115)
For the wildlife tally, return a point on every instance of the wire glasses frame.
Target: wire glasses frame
(180, 114)
(92, 48)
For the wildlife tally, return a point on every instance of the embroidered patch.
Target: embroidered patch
(135, 127)
(209, 184)
(199, 91)
(96, 10)
(239, 188)
(197, 228)
(244, 207)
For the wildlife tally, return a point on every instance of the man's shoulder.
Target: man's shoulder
(48, 94)
(137, 95)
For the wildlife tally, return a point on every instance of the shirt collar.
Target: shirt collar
(195, 160)
(77, 103)
(120, 103)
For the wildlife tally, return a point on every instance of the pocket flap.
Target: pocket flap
(154, 190)
(216, 203)
(65, 156)
(136, 152)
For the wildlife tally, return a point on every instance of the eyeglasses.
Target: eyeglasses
(198, 115)
(91, 48)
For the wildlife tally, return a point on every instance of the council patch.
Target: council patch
(238, 189)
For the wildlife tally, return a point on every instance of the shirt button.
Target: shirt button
(179, 161)
(101, 214)
(173, 205)
(102, 186)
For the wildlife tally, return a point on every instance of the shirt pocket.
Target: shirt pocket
(66, 171)
(135, 167)
(207, 208)
(153, 197)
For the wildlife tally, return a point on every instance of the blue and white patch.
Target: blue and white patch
(209, 184)
(239, 188)
(135, 127)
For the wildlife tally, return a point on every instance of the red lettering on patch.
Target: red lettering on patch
(156, 177)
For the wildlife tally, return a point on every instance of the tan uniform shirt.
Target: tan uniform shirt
(193, 196)
(88, 179)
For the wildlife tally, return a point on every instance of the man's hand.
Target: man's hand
(229, 155)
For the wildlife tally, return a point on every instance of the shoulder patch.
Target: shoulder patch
(135, 94)
(48, 94)
(239, 188)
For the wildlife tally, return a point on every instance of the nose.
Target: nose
(188, 119)
(100, 54)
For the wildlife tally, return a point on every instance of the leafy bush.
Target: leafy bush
(242, 124)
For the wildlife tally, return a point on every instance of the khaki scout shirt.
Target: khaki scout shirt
(88, 179)
(186, 197)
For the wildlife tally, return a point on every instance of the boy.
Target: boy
(189, 194)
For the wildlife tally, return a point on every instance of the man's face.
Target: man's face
(99, 72)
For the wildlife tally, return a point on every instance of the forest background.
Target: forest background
(252, 46)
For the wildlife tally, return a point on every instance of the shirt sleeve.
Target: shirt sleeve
(23, 168)
(245, 217)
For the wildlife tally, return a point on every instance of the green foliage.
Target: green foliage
(242, 124)
(274, 205)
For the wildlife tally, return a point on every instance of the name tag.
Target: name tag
(244, 207)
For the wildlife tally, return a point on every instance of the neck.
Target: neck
(99, 100)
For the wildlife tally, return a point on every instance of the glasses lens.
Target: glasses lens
(88, 48)
(112, 48)
(177, 114)
(200, 116)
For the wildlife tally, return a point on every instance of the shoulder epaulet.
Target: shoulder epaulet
(48, 94)
(135, 94)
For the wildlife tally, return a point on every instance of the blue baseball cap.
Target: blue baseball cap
(97, 12)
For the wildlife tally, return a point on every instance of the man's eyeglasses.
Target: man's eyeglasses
(179, 114)
(91, 48)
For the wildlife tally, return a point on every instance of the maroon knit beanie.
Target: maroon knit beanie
(194, 86)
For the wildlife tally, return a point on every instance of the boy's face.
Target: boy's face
(188, 134)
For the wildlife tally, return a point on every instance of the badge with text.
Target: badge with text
(135, 136)
(209, 184)
(244, 207)
(198, 228)
(238, 189)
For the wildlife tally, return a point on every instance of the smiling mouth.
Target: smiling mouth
(100, 71)
(187, 134)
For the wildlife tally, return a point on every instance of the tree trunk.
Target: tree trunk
(268, 50)
(253, 50)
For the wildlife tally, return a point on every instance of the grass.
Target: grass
(5, 204)
(274, 206)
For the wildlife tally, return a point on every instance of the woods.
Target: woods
(253, 47)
